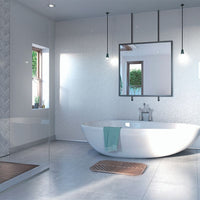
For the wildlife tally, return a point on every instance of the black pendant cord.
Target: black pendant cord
(158, 26)
(107, 54)
(131, 27)
(182, 50)
(132, 38)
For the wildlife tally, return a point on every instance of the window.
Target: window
(135, 78)
(40, 77)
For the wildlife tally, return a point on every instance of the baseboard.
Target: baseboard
(31, 144)
(83, 141)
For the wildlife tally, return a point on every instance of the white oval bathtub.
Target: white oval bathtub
(142, 139)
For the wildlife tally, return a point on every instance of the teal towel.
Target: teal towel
(111, 138)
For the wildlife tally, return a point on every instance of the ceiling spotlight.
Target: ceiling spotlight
(51, 5)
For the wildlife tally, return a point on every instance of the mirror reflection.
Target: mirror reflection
(145, 69)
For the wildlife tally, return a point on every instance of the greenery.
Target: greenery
(34, 63)
(37, 99)
(121, 84)
(135, 77)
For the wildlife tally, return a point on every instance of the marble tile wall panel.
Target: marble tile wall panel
(4, 76)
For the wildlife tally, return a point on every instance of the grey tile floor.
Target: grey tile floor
(69, 178)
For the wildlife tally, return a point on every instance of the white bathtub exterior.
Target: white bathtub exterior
(142, 139)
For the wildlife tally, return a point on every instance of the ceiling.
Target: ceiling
(74, 9)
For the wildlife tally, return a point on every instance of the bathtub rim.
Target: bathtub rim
(182, 125)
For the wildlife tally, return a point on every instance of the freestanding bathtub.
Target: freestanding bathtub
(140, 139)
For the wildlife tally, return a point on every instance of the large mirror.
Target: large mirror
(145, 69)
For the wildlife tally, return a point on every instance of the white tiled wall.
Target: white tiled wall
(87, 85)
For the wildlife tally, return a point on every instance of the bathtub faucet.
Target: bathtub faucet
(145, 113)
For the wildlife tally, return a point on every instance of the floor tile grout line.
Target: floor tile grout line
(154, 173)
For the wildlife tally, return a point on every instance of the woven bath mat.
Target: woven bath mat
(9, 170)
(118, 167)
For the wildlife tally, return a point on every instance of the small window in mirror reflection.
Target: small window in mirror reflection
(135, 78)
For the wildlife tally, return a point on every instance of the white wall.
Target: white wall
(157, 75)
(28, 27)
(88, 85)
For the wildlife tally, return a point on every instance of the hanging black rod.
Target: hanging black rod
(158, 25)
(107, 55)
(131, 27)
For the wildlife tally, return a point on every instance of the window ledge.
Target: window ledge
(40, 108)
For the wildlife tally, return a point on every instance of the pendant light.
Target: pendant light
(51, 5)
(182, 50)
(183, 56)
(107, 54)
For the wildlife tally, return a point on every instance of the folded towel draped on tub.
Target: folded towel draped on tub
(111, 138)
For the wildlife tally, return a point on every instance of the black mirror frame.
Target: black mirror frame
(171, 95)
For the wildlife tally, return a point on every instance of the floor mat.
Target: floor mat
(119, 167)
(9, 170)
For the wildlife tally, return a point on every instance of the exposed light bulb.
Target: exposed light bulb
(114, 61)
(51, 5)
(183, 58)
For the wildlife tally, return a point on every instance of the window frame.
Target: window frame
(39, 73)
(128, 75)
